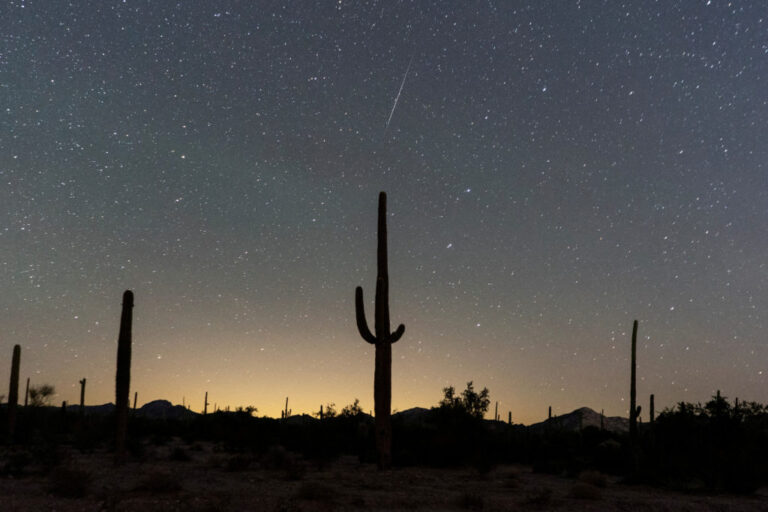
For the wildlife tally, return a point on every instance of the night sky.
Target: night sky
(554, 170)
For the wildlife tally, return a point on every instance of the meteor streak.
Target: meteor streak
(394, 105)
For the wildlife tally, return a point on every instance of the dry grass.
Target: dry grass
(203, 484)
(159, 482)
(594, 478)
(69, 482)
(582, 491)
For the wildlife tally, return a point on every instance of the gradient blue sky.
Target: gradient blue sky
(554, 169)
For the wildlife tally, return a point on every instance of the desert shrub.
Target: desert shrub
(16, 463)
(48, 455)
(513, 478)
(316, 491)
(594, 478)
(295, 469)
(483, 462)
(582, 491)
(471, 501)
(178, 454)
(160, 439)
(277, 457)
(68, 482)
(238, 463)
(540, 497)
(286, 505)
(135, 447)
(159, 482)
(473, 403)
(215, 461)
(40, 396)
(724, 447)
(352, 409)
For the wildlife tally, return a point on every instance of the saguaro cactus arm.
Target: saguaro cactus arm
(395, 336)
(362, 324)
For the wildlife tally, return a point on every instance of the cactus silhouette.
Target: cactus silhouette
(652, 410)
(123, 376)
(633, 412)
(285, 413)
(205, 404)
(26, 394)
(383, 340)
(82, 396)
(13, 391)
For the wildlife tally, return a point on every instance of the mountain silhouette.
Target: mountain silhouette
(582, 418)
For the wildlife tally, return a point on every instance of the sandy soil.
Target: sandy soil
(213, 481)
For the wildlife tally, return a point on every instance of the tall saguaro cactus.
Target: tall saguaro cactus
(82, 395)
(383, 340)
(633, 388)
(13, 391)
(123, 376)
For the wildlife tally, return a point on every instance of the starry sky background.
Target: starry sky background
(554, 171)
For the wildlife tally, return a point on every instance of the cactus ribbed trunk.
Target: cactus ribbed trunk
(123, 376)
(13, 392)
(382, 380)
(633, 389)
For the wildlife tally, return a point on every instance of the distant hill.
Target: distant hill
(582, 418)
(301, 419)
(157, 409)
(573, 421)
(412, 415)
(163, 409)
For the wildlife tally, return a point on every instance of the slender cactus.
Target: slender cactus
(383, 340)
(82, 396)
(285, 412)
(26, 394)
(633, 389)
(205, 405)
(509, 418)
(123, 376)
(496, 412)
(549, 414)
(135, 398)
(652, 410)
(13, 391)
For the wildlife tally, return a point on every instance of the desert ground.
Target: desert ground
(198, 477)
